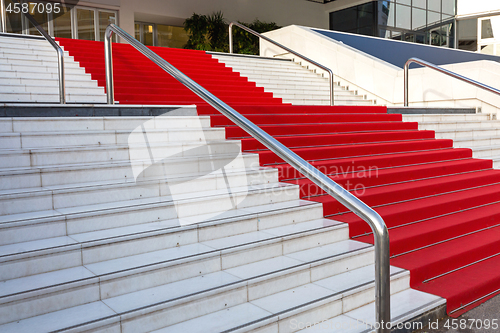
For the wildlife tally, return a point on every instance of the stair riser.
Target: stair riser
(25, 71)
(467, 134)
(51, 90)
(441, 117)
(56, 227)
(111, 286)
(69, 77)
(316, 312)
(459, 125)
(48, 83)
(14, 98)
(82, 139)
(113, 172)
(107, 123)
(48, 200)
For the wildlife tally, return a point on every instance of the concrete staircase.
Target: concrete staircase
(29, 74)
(121, 224)
(476, 131)
(291, 81)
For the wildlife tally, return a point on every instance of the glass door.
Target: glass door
(145, 33)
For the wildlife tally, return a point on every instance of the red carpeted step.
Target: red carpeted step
(236, 132)
(302, 109)
(268, 157)
(260, 119)
(252, 144)
(412, 211)
(454, 252)
(474, 284)
(337, 165)
(408, 182)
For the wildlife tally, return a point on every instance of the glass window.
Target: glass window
(138, 32)
(105, 19)
(13, 21)
(420, 4)
(40, 16)
(62, 23)
(433, 18)
(404, 2)
(418, 19)
(366, 15)
(420, 39)
(85, 24)
(148, 34)
(486, 29)
(386, 14)
(449, 7)
(434, 5)
(170, 36)
(403, 17)
(344, 20)
(383, 33)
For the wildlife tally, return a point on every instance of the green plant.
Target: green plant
(210, 33)
(207, 33)
(247, 43)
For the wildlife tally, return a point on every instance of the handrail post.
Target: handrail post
(62, 84)
(351, 202)
(406, 83)
(4, 16)
(332, 88)
(230, 37)
(108, 55)
(284, 48)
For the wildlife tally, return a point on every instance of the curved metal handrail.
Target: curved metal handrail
(60, 55)
(441, 70)
(330, 73)
(381, 234)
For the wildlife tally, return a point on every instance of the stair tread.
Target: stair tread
(62, 319)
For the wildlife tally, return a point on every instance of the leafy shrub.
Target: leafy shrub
(210, 33)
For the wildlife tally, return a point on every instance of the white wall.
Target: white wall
(383, 81)
(174, 12)
(477, 7)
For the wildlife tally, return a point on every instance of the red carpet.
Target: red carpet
(441, 205)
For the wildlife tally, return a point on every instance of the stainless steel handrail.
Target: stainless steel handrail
(330, 73)
(381, 234)
(60, 55)
(4, 16)
(441, 70)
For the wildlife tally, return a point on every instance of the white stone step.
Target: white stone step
(459, 125)
(423, 118)
(81, 219)
(308, 301)
(476, 142)
(462, 133)
(38, 56)
(47, 62)
(49, 82)
(8, 51)
(19, 89)
(25, 70)
(50, 98)
(59, 197)
(115, 287)
(487, 152)
(61, 124)
(14, 74)
(259, 253)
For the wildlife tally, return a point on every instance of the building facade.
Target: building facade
(473, 26)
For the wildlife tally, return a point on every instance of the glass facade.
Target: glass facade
(160, 35)
(417, 21)
(70, 21)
